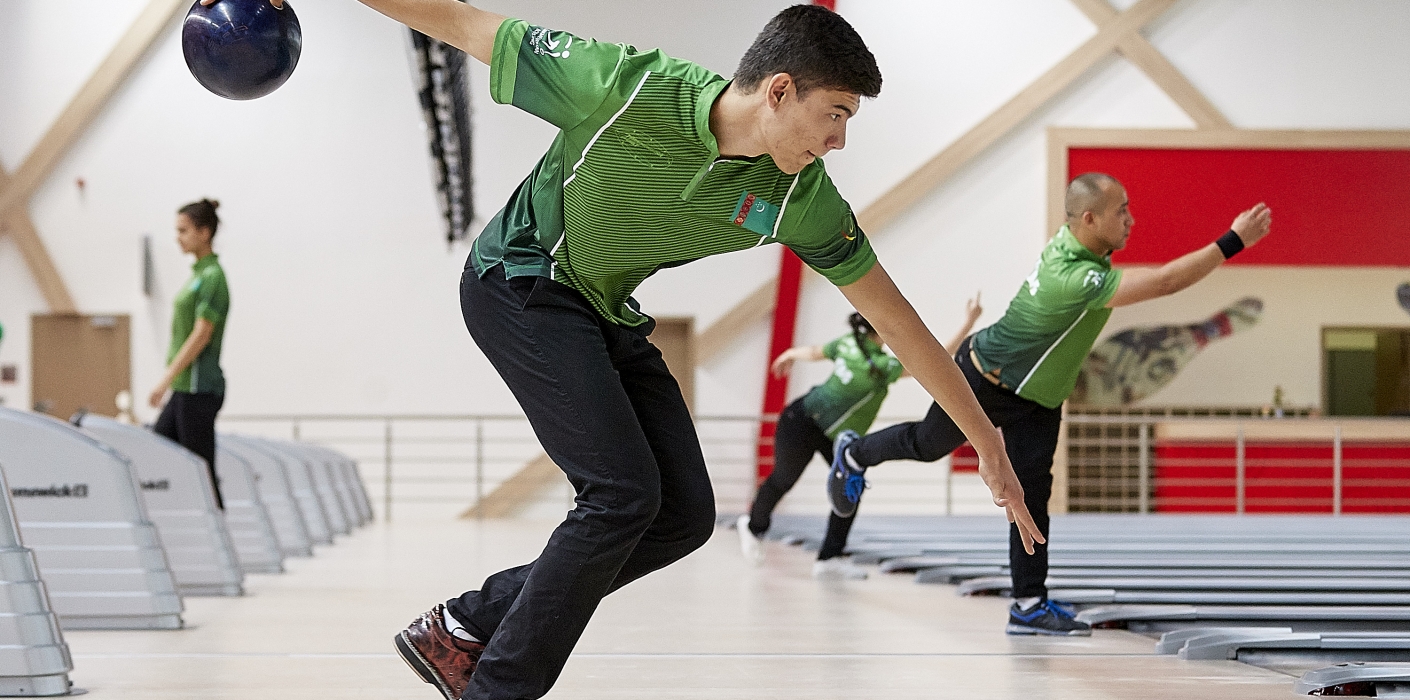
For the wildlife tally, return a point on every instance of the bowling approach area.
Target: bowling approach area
(293, 591)
(712, 627)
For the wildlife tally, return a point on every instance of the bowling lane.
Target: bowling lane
(709, 627)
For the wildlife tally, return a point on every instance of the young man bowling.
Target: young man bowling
(657, 162)
(1023, 367)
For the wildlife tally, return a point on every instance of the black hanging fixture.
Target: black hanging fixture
(443, 88)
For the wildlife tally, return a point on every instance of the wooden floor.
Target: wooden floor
(711, 627)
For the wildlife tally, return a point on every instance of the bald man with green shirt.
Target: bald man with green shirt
(1024, 366)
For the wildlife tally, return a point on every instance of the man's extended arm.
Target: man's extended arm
(972, 311)
(459, 24)
(784, 362)
(1141, 285)
(878, 299)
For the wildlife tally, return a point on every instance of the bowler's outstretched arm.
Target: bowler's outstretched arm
(1141, 285)
(459, 24)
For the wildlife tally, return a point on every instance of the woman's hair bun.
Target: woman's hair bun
(202, 214)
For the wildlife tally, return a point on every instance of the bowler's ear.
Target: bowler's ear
(777, 89)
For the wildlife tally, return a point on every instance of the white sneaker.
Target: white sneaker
(748, 543)
(838, 568)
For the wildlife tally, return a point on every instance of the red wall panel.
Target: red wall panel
(1282, 477)
(1330, 208)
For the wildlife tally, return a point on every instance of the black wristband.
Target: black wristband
(1230, 244)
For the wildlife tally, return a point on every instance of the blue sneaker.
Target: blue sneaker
(845, 483)
(1046, 618)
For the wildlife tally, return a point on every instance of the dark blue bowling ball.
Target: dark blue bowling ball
(241, 49)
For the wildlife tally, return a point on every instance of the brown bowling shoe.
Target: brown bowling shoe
(439, 658)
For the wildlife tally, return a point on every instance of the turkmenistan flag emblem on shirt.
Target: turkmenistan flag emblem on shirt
(753, 213)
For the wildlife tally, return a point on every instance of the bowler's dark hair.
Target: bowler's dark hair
(815, 46)
(202, 214)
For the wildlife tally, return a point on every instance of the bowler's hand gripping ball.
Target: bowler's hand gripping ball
(241, 49)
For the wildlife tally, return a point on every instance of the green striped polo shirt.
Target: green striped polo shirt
(206, 296)
(1038, 347)
(634, 181)
(852, 395)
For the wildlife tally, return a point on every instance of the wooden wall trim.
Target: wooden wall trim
(1237, 138)
(1057, 196)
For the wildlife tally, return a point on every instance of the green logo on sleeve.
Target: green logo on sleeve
(755, 214)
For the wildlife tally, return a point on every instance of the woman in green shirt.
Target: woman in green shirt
(863, 372)
(197, 328)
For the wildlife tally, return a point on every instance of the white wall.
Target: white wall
(345, 294)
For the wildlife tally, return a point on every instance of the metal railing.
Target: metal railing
(449, 463)
(414, 459)
(445, 464)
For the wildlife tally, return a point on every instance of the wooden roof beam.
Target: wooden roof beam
(16, 189)
(89, 102)
(36, 257)
(1159, 69)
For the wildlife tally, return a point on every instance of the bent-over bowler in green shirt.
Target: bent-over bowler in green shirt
(1038, 347)
(634, 181)
(853, 393)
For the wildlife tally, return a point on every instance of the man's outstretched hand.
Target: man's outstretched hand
(1008, 494)
(1253, 224)
(278, 4)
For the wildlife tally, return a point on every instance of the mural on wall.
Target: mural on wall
(1137, 362)
(1402, 294)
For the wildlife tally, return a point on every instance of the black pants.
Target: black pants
(189, 420)
(1030, 438)
(609, 413)
(796, 439)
